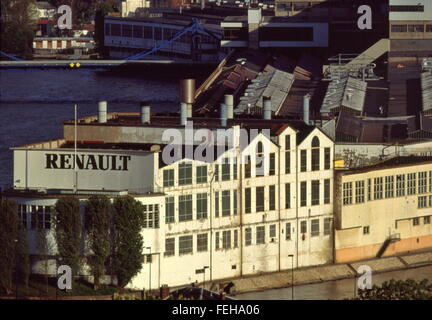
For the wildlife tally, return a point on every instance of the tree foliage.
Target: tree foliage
(97, 226)
(398, 290)
(9, 235)
(68, 232)
(127, 241)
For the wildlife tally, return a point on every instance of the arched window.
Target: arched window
(315, 154)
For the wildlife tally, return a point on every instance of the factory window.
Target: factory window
(286, 34)
(303, 161)
(260, 235)
(259, 160)
(157, 33)
(234, 161)
(185, 208)
(315, 192)
(33, 217)
(272, 231)
(272, 197)
(422, 182)
(236, 34)
(287, 142)
(303, 194)
(303, 227)
(327, 158)
(430, 201)
(148, 32)
(288, 231)
(116, 30)
(169, 210)
(151, 216)
(168, 178)
(226, 169)
(314, 227)
(248, 236)
(412, 183)
(399, 28)
(416, 221)
(426, 220)
(429, 28)
(226, 239)
(235, 239)
(327, 226)
(235, 201)
(287, 196)
(366, 230)
(272, 169)
(422, 202)
(347, 193)
(22, 214)
(287, 162)
(378, 188)
(185, 245)
(201, 174)
(407, 8)
(137, 31)
(389, 186)
(216, 172)
(169, 247)
(247, 167)
(360, 191)
(327, 191)
(107, 29)
(430, 181)
(259, 199)
(400, 185)
(248, 200)
(226, 203)
(415, 28)
(315, 160)
(127, 30)
(44, 217)
(202, 241)
(185, 174)
(201, 202)
(216, 203)
(369, 189)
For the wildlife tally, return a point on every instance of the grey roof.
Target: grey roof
(346, 92)
(426, 87)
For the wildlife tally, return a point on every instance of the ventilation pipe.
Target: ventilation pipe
(183, 113)
(223, 114)
(187, 94)
(229, 102)
(306, 107)
(267, 108)
(145, 113)
(102, 112)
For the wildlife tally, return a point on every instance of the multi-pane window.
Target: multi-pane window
(378, 188)
(168, 178)
(347, 193)
(287, 142)
(226, 239)
(369, 190)
(234, 161)
(169, 247)
(272, 164)
(259, 199)
(151, 216)
(366, 230)
(412, 183)
(185, 208)
(226, 203)
(315, 160)
(169, 210)
(326, 191)
(400, 185)
(217, 241)
(248, 167)
(248, 236)
(201, 174)
(288, 231)
(430, 181)
(326, 158)
(303, 194)
(259, 160)
(42, 216)
(303, 227)
(327, 226)
(426, 220)
(216, 203)
(201, 205)
(422, 202)
(315, 192)
(416, 221)
(226, 169)
(22, 214)
(260, 235)
(202, 241)
(33, 217)
(359, 187)
(303, 161)
(235, 245)
(389, 186)
(185, 174)
(314, 227)
(422, 182)
(272, 197)
(287, 162)
(185, 244)
(272, 231)
(216, 172)
(235, 202)
(248, 200)
(287, 195)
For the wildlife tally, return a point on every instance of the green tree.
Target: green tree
(9, 235)
(97, 226)
(127, 241)
(68, 232)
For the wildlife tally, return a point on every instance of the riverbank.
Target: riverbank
(323, 273)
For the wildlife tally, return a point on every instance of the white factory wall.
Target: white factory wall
(411, 16)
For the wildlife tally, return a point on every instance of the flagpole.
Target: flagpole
(75, 152)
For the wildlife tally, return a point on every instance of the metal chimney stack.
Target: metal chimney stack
(223, 114)
(102, 118)
(183, 113)
(306, 107)
(187, 94)
(145, 113)
(267, 108)
(229, 102)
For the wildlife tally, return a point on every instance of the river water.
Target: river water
(335, 290)
(33, 103)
